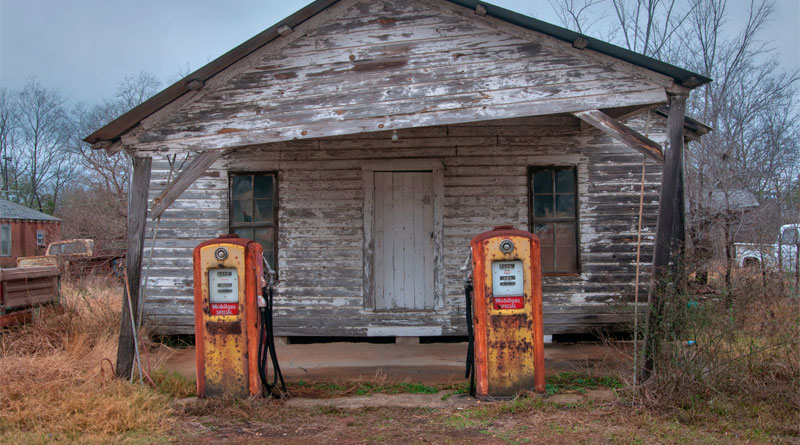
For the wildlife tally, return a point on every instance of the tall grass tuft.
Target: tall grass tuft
(56, 374)
(735, 352)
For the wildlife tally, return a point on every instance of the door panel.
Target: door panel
(403, 240)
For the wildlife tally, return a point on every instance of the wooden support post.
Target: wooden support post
(137, 214)
(622, 133)
(670, 241)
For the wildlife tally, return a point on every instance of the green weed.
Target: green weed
(174, 384)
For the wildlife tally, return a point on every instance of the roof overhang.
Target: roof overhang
(110, 133)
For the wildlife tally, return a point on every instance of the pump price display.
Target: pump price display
(507, 284)
(223, 291)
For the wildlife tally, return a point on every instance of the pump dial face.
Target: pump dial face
(221, 253)
(506, 246)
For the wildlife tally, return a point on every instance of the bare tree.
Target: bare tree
(648, 27)
(41, 167)
(102, 187)
(577, 14)
(9, 121)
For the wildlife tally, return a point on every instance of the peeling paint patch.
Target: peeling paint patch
(228, 130)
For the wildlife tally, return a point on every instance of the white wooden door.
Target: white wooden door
(403, 235)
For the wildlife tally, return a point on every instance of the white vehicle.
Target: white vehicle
(772, 256)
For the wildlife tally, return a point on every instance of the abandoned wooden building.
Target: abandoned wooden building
(363, 143)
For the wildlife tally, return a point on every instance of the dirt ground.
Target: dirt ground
(571, 418)
(326, 382)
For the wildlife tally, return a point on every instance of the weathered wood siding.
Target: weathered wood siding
(320, 233)
(367, 65)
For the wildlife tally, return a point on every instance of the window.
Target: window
(789, 236)
(554, 217)
(5, 240)
(253, 210)
(40, 238)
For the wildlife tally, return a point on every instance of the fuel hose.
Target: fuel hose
(469, 372)
(266, 349)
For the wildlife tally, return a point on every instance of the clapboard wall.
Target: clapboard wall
(321, 238)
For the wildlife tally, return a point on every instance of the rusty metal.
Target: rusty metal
(509, 346)
(22, 289)
(76, 257)
(227, 343)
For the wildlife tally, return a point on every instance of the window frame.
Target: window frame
(40, 235)
(273, 224)
(574, 219)
(10, 238)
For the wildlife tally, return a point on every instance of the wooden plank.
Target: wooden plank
(398, 265)
(137, 214)
(408, 240)
(429, 268)
(185, 178)
(622, 133)
(437, 183)
(388, 236)
(372, 219)
(418, 221)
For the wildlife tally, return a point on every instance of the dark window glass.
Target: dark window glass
(554, 217)
(252, 210)
(5, 240)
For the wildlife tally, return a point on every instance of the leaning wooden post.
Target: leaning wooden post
(670, 240)
(137, 212)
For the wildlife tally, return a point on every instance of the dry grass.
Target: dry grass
(56, 379)
(744, 364)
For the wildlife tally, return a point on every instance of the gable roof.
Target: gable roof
(12, 210)
(115, 129)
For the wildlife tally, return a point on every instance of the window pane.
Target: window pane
(542, 206)
(547, 259)
(565, 206)
(543, 182)
(75, 247)
(242, 211)
(266, 237)
(789, 236)
(263, 210)
(565, 259)
(242, 187)
(5, 240)
(264, 187)
(565, 235)
(545, 234)
(244, 232)
(565, 180)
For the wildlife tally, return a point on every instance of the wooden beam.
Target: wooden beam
(185, 178)
(622, 133)
(137, 214)
(670, 240)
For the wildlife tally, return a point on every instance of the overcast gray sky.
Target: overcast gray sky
(85, 47)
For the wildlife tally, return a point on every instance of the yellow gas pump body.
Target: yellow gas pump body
(227, 282)
(507, 316)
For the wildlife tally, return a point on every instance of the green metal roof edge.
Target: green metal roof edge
(684, 77)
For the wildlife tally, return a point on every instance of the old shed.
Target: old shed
(24, 232)
(365, 142)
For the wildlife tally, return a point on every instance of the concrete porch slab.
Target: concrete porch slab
(429, 363)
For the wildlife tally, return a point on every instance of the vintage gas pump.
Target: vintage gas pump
(233, 320)
(505, 311)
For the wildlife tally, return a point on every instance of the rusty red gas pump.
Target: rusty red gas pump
(504, 311)
(233, 319)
